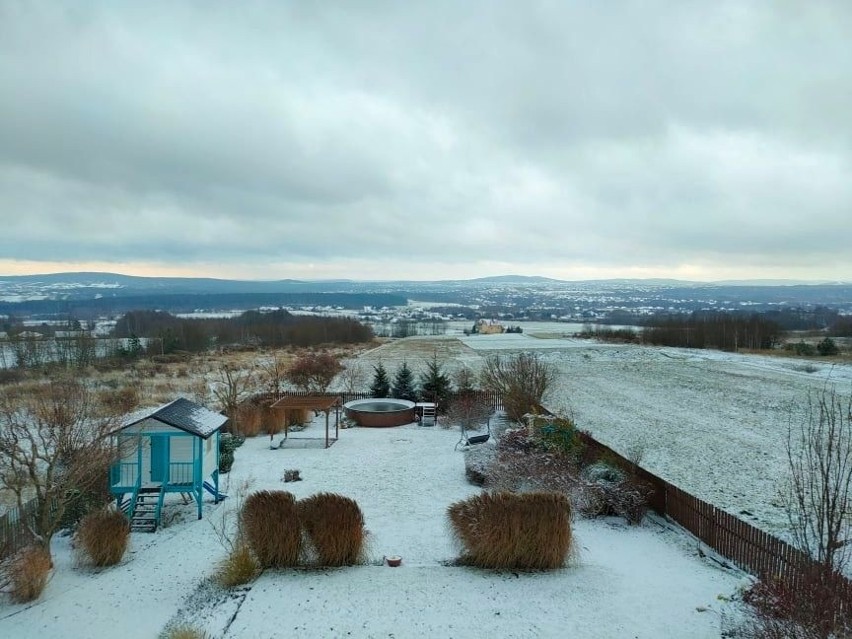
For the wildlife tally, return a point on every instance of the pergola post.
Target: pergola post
(322, 403)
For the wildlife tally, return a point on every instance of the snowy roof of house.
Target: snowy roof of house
(61, 334)
(180, 413)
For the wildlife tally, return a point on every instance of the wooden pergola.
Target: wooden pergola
(323, 403)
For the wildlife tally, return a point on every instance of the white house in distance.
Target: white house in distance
(173, 448)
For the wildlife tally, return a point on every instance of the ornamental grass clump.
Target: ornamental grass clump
(334, 525)
(272, 530)
(185, 632)
(102, 537)
(238, 568)
(510, 530)
(27, 574)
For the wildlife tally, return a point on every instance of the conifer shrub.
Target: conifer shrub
(511, 530)
(227, 445)
(801, 348)
(380, 386)
(827, 347)
(27, 573)
(334, 525)
(555, 434)
(271, 525)
(102, 537)
(403, 384)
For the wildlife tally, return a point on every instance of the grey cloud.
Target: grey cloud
(538, 136)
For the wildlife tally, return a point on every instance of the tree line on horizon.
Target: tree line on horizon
(274, 329)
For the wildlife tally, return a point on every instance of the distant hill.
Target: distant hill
(514, 279)
(85, 285)
(108, 293)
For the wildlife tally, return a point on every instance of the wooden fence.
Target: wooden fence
(749, 548)
(14, 533)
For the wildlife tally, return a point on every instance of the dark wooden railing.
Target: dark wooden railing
(747, 547)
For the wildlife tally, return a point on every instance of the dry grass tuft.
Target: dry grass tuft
(272, 529)
(238, 568)
(102, 537)
(28, 573)
(334, 525)
(509, 530)
(185, 632)
(250, 417)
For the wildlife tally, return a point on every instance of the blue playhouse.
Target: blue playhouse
(170, 449)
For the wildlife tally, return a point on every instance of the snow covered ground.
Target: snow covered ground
(712, 423)
(645, 582)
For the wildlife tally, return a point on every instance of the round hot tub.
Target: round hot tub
(381, 412)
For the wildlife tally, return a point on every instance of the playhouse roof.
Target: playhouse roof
(180, 413)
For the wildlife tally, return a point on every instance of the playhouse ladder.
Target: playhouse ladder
(146, 513)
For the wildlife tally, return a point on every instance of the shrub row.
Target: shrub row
(494, 530)
(325, 528)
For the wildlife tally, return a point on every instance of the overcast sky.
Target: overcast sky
(383, 140)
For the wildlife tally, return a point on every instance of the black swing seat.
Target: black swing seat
(470, 439)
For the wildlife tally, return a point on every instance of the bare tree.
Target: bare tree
(353, 377)
(469, 411)
(313, 372)
(230, 389)
(199, 391)
(522, 380)
(30, 351)
(818, 494)
(274, 372)
(54, 444)
(464, 379)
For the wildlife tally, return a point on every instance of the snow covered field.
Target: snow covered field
(712, 423)
(645, 582)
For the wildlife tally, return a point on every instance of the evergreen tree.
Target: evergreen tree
(381, 384)
(134, 347)
(434, 382)
(403, 384)
(827, 347)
